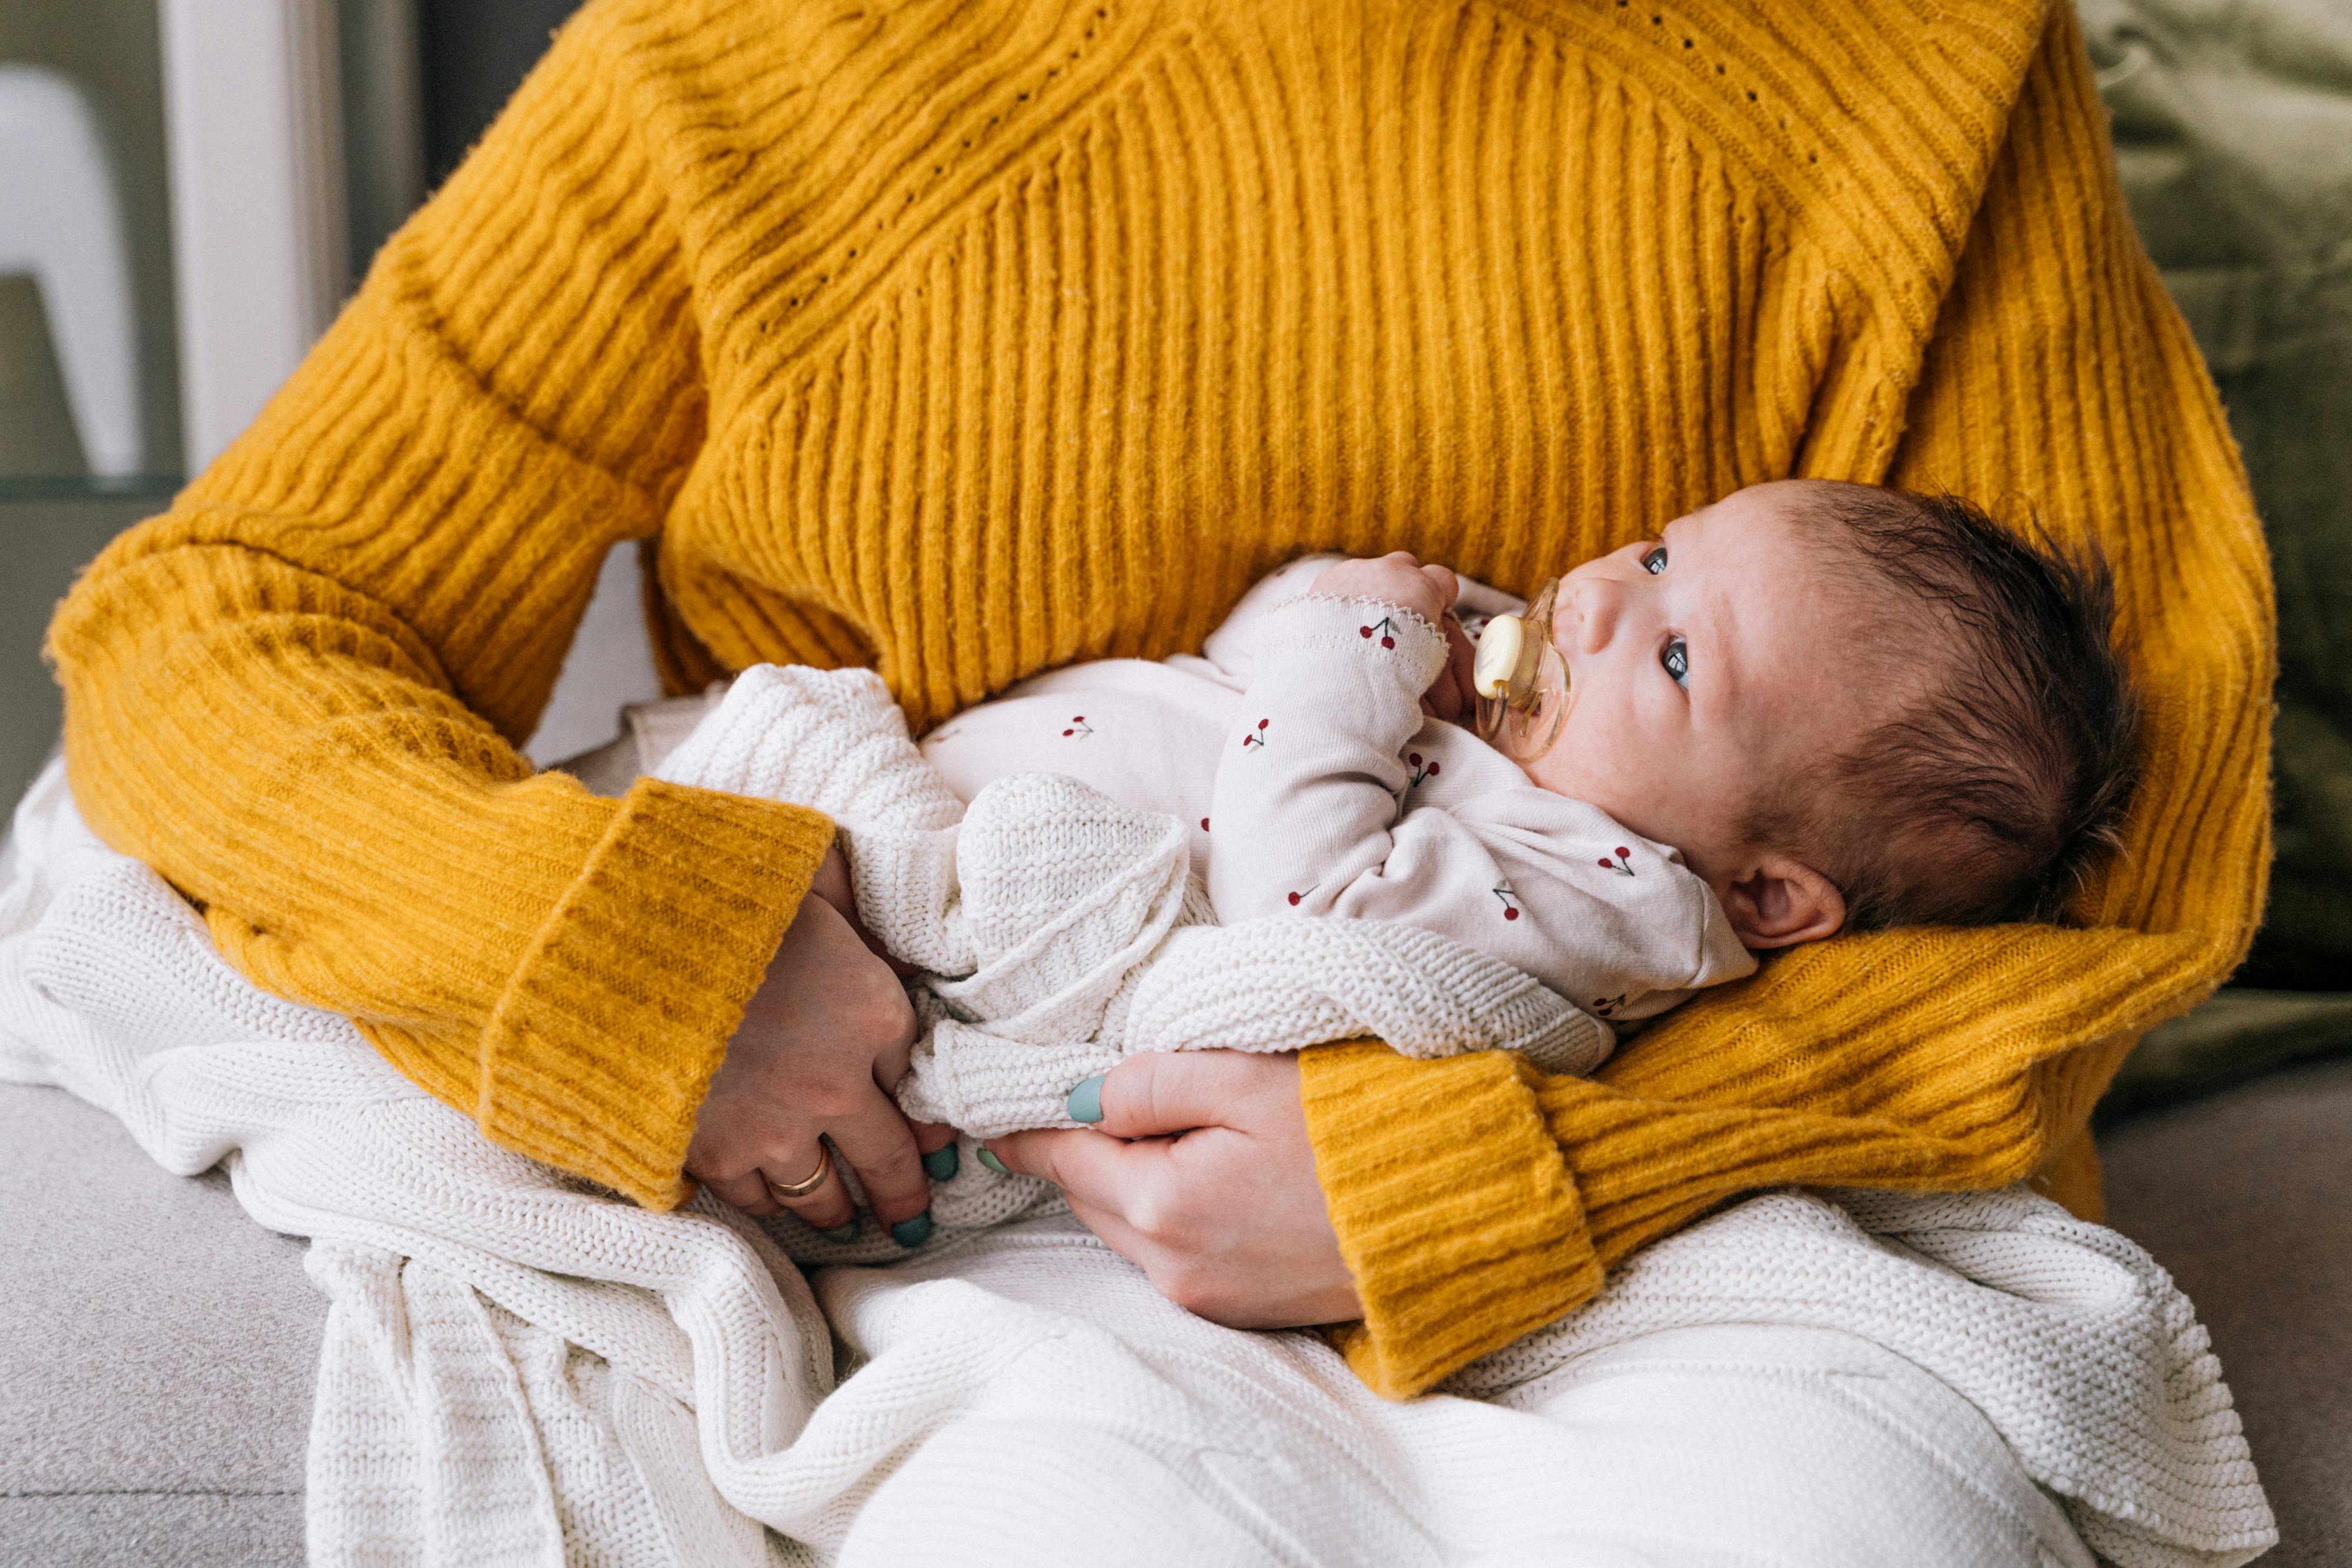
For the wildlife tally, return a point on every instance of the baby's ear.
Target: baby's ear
(1783, 902)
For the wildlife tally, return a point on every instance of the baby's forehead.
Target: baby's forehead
(1824, 645)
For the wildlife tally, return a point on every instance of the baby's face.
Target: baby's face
(1708, 667)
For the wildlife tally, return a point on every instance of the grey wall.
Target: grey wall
(476, 53)
(43, 543)
(113, 48)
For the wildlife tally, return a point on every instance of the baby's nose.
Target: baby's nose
(1589, 614)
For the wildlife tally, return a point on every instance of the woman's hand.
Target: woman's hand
(821, 1043)
(1215, 1197)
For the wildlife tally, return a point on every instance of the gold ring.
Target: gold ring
(787, 1193)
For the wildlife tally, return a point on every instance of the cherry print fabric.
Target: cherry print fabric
(1293, 749)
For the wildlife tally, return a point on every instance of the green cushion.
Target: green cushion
(2233, 135)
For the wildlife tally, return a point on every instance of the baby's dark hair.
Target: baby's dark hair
(1995, 791)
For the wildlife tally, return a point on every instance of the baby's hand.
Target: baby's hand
(1396, 577)
(1429, 591)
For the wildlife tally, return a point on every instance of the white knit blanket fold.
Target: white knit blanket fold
(518, 1369)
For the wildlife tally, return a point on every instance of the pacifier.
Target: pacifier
(1521, 680)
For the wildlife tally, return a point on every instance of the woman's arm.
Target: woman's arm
(298, 693)
(1474, 1198)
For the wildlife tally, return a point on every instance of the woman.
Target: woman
(972, 338)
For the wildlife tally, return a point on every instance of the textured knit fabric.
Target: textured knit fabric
(1297, 732)
(972, 338)
(520, 1369)
(1063, 929)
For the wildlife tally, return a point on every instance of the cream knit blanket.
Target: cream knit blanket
(519, 1369)
(1061, 929)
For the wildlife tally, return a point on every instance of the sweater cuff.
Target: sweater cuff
(598, 1054)
(1453, 1209)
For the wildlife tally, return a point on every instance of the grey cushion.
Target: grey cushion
(2243, 1197)
(157, 1353)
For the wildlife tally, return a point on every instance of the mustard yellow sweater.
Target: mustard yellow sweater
(971, 339)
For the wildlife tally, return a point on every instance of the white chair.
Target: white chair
(61, 222)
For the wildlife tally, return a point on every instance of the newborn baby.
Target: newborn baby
(1809, 706)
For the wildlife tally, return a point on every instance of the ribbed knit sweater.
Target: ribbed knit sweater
(972, 338)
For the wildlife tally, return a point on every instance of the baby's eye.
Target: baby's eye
(1675, 658)
(1653, 559)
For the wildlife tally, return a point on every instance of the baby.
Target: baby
(1805, 708)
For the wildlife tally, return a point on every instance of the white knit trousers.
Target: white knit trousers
(1154, 1437)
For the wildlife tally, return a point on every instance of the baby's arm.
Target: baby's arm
(1306, 803)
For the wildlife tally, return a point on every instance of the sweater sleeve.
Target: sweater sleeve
(1477, 1198)
(298, 693)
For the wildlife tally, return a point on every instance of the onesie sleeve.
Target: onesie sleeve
(1310, 778)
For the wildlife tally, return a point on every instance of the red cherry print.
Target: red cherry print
(1434, 768)
(1510, 914)
(1293, 898)
(1261, 723)
(1387, 641)
(1069, 731)
(1605, 863)
(1363, 631)
(1623, 853)
(1204, 824)
(1413, 758)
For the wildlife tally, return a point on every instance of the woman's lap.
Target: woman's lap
(1113, 1428)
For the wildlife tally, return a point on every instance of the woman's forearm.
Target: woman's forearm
(298, 693)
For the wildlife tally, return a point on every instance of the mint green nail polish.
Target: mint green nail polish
(1084, 1103)
(843, 1237)
(988, 1157)
(912, 1233)
(941, 1165)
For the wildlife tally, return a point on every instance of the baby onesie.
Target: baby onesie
(1263, 846)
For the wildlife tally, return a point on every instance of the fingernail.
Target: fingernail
(940, 1164)
(843, 1237)
(988, 1157)
(912, 1233)
(1084, 1103)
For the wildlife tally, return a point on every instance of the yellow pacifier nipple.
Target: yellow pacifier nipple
(1521, 680)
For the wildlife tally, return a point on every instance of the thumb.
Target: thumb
(1159, 1092)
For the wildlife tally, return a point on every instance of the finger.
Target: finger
(827, 1208)
(932, 1136)
(1158, 1093)
(1461, 653)
(1449, 587)
(748, 1192)
(891, 1064)
(831, 883)
(880, 1148)
(1087, 1166)
(1117, 1234)
(1442, 700)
